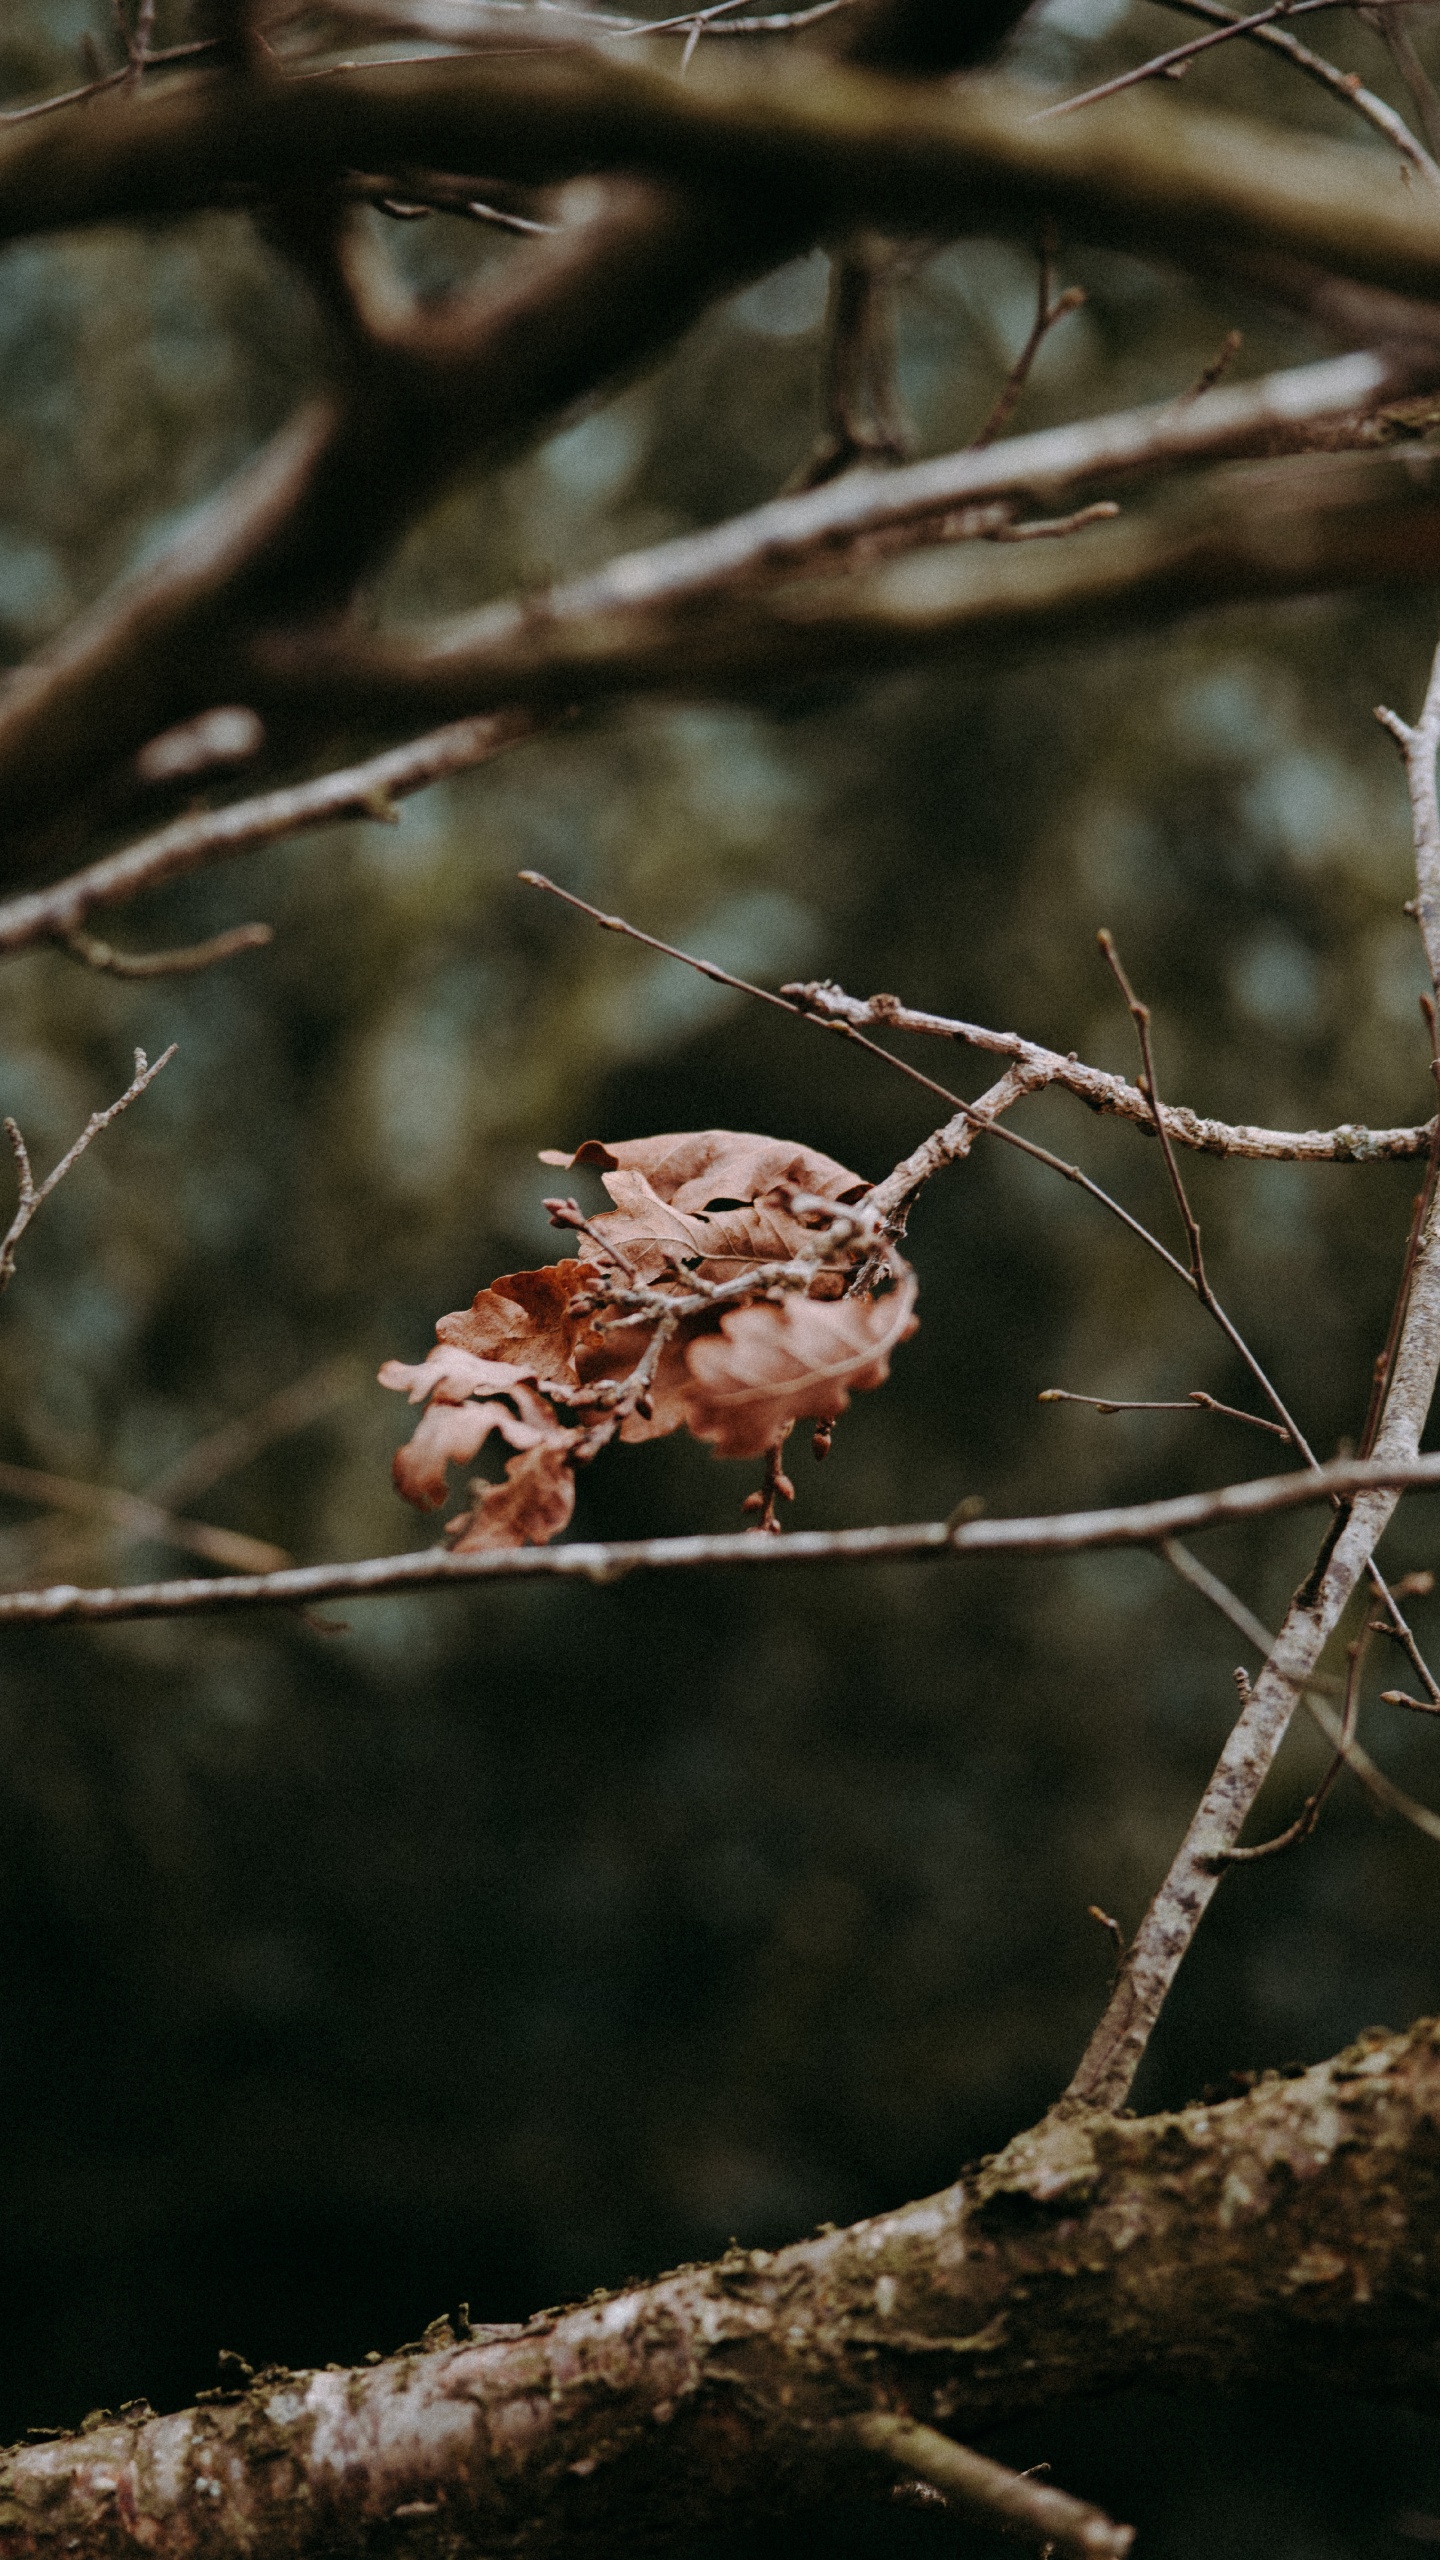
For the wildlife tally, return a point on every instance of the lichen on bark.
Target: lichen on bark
(1291, 2231)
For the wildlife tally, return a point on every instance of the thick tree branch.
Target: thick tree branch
(294, 534)
(852, 146)
(1291, 2233)
(1239, 534)
(1283, 409)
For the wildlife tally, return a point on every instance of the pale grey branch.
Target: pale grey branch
(1349, 1144)
(1145, 1524)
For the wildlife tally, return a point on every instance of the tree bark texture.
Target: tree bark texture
(1293, 2232)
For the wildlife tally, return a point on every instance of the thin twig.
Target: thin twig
(1014, 2500)
(1382, 1790)
(108, 80)
(32, 1196)
(1196, 1399)
(1114, 1096)
(1310, 1812)
(1171, 64)
(1146, 1524)
(142, 1518)
(1046, 315)
(1395, 33)
(1199, 1277)
(1215, 371)
(182, 963)
(365, 790)
(1343, 85)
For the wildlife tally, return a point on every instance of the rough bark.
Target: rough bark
(839, 144)
(1293, 2232)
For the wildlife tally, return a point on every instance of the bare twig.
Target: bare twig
(1309, 1814)
(1014, 2500)
(1382, 1790)
(1047, 312)
(1395, 31)
(120, 79)
(1261, 23)
(183, 963)
(359, 791)
(1197, 1399)
(33, 1196)
(1146, 1524)
(1200, 1278)
(1215, 371)
(1343, 85)
(141, 1518)
(1115, 2050)
(1113, 1095)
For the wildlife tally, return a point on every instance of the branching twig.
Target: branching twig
(1343, 85)
(1260, 23)
(1382, 1790)
(358, 791)
(1112, 1094)
(1310, 1812)
(1047, 312)
(33, 1196)
(1115, 2050)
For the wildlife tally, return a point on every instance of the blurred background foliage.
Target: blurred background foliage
(502, 1946)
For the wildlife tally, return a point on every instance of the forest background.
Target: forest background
(502, 1944)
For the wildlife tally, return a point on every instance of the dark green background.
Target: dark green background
(496, 1947)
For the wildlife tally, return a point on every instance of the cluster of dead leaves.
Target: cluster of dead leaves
(734, 1288)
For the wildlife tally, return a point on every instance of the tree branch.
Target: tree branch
(1143, 1524)
(1113, 2055)
(1111, 1094)
(1288, 2234)
(293, 534)
(852, 146)
(1235, 535)
(33, 1195)
(358, 791)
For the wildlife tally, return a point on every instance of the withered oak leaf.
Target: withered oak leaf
(770, 1366)
(529, 1508)
(694, 1210)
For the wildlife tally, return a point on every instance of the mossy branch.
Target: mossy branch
(1293, 2232)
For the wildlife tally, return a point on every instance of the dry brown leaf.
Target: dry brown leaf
(524, 1316)
(450, 1435)
(530, 1508)
(770, 1366)
(694, 1207)
(694, 1166)
(449, 1376)
(714, 1198)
